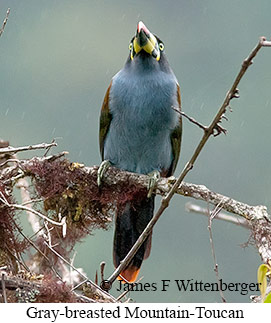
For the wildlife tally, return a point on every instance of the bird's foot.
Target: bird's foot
(101, 170)
(154, 177)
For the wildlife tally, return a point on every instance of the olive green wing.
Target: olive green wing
(176, 137)
(105, 120)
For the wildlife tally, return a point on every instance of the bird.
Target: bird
(140, 132)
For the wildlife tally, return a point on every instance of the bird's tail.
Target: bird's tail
(130, 223)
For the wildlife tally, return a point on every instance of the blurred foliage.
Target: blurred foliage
(263, 273)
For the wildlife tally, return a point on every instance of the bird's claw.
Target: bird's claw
(154, 177)
(101, 170)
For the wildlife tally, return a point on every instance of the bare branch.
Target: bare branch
(12, 150)
(190, 119)
(191, 207)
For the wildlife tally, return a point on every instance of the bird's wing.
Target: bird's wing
(176, 137)
(105, 120)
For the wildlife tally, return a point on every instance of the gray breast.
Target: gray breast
(142, 121)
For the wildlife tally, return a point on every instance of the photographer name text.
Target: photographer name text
(189, 285)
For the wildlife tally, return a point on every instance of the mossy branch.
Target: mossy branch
(254, 216)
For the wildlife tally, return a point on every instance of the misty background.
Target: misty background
(56, 61)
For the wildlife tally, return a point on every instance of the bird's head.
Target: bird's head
(145, 44)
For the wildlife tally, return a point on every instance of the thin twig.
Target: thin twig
(4, 22)
(127, 291)
(32, 201)
(68, 274)
(38, 250)
(21, 261)
(80, 284)
(212, 215)
(71, 271)
(17, 257)
(48, 149)
(97, 288)
(201, 126)
(48, 233)
(11, 160)
(44, 217)
(191, 207)
(25, 208)
(102, 266)
(13, 150)
(165, 200)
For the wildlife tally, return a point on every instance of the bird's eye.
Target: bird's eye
(161, 46)
(130, 46)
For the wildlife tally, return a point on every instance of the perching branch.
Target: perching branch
(214, 126)
(114, 178)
